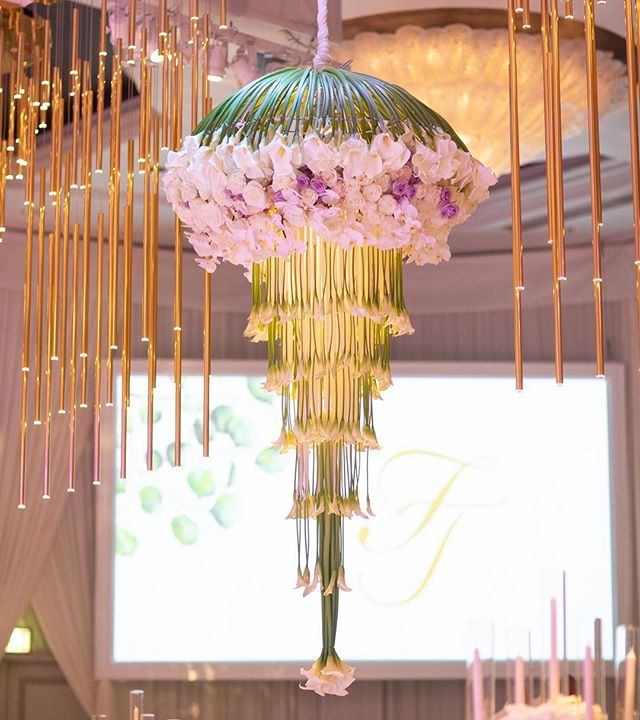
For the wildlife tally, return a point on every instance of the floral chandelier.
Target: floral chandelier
(321, 181)
(429, 61)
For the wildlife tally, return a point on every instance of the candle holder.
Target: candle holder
(555, 676)
(518, 675)
(592, 670)
(626, 672)
(481, 676)
(136, 704)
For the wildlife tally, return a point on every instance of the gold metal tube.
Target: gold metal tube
(553, 200)
(153, 301)
(223, 15)
(163, 24)
(114, 218)
(146, 259)
(594, 171)
(39, 298)
(75, 139)
(103, 29)
(144, 91)
(74, 42)
(568, 9)
(206, 369)
(97, 398)
(126, 330)
(46, 478)
(166, 75)
(557, 140)
(177, 108)
(22, 482)
(193, 4)
(132, 33)
(86, 259)
(71, 476)
(65, 285)
(205, 64)
(632, 79)
(177, 339)
(28, 271)
(154, 235)
(516, 202)
(86, 126)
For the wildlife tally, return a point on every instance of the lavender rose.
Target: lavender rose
(400, 189)
(302, 182)
(449, 211)
(318, 185)
(445, 196)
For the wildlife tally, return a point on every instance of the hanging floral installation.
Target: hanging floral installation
(321, 182)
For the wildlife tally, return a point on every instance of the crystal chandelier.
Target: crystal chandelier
(463, 72)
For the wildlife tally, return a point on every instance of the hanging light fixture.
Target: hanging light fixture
(430, 61)
(321, 182)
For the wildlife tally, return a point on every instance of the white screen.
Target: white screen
(204, 560)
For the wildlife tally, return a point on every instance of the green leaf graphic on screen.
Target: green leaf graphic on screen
(157, 459)
(150, 499)
(227, 510)
(241, 432)
(142, 414)
(126, 542)
(258, 392)
(221, 416)
(271, 460)
(121, 485)
(201, 482)
(233, 475)
(184, 529)
(171, 453)
(197, 429)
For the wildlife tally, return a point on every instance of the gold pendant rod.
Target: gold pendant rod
(131, 46)
(62, 392)
(71, 476)
(46, 474)
(195, 69)
(39, 297)
(553, 199)
(632, 80)
(97, 397)
(26, 328)
(594, 175)
(205, 65)
(557, 139)
(86, 261)
(516, 201)
(177, 340)
(206, 369)
(126, 340)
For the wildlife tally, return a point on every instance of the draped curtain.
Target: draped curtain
(47, 551)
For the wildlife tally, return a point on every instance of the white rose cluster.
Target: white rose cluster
(244, 205)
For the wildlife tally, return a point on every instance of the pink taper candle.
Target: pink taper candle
(554, 667)
(588, 689)
(477, 693)
(518, 694)
(629, 686)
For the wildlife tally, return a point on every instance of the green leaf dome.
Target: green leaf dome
(333, 101)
